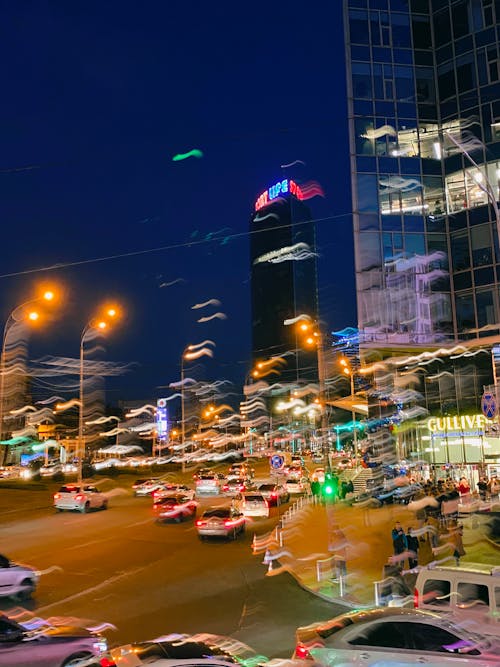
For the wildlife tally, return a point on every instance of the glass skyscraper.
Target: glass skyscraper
(423, 83)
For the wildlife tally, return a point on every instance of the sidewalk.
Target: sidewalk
(301, 547)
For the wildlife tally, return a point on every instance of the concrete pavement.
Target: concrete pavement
(307, 547)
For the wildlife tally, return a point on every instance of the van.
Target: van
(473, 588)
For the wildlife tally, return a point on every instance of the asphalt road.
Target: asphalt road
(148, 579)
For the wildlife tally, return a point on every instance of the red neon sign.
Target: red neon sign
(280, 188)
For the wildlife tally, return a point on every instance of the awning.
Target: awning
(351, 404)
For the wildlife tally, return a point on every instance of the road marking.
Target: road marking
(140, 523)
(93, 589)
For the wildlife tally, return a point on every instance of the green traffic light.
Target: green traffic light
(328, 490)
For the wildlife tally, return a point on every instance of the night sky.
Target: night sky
(97, 97)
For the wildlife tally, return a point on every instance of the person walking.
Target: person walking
(399, 543)
(482, 487)
(413, 545)
(456, 533)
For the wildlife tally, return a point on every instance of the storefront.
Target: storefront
(461, 445)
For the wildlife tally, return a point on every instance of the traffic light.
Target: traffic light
(328, 489)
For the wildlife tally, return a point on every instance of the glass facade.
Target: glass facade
(423, 82)
(283, 283)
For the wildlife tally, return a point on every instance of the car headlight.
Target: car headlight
(100, 646)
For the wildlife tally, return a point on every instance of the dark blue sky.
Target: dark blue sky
(96, 100)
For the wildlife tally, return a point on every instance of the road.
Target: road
(148, 579)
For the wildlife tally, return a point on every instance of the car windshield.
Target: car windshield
(219, 512)
(266, 487)
(169, 500)
(69, 489)
(207, 477)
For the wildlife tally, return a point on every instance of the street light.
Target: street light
(95, 325)
(17, 315)
(190, 353)
(350, 372)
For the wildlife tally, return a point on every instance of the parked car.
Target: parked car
(169, 489)
(181, 650)
(471, 591)
(226, 522)
(253, 504)
(51, 468)
(16, 581)
(275, 494)
(146, 487)
(82, 498)
(392, 636)
(208, 484)
(175, 506)
(50, 646)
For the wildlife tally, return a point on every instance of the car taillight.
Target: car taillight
(107, 662)
(415, 598)
(302, 652)
(56, 496)
(274, 495)
(242, 487)
(228, 523)
(200, 523)
(225, 487)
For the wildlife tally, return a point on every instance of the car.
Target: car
(275, 494)
(169, 489)
(180, 650)
(202, 471)
(226, 522)
(51, 468)
(175, 506)
(241, 470)
(295, 472)
(318, 475)
(236, 485)
(295, 486)
(48, 645)
(208, 484)
(405, 494)
(82, 498)
(253, 504)
(16, 581)
(146, 487)
(392, 636)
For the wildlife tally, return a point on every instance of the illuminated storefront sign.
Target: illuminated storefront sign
(161, 419)
(456, 423)
(280, 188)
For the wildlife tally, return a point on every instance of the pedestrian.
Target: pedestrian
(463, 486)
(494, 488)
(343, 489)
(399, 543)
(456, 534)
(413, 544)
(315, 488)
(482, 487)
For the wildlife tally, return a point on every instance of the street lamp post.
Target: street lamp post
(350, 372)
(96, 325)
(15, 316)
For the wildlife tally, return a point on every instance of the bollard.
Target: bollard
(318, 573)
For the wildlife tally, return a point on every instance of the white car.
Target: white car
(226, 522)
(17, 581)
(146, 487)
(82, 498)
(50, 469)
(392, 636)
(253, 504)
(295, 486)
(206, 484)
(171, 489)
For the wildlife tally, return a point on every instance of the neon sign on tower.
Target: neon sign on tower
(281, 187)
